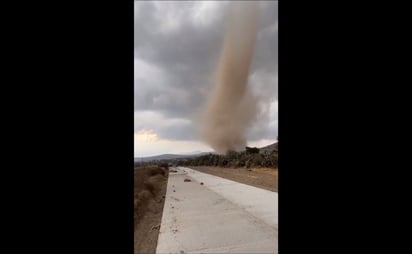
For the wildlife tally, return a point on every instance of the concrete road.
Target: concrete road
(220, 216)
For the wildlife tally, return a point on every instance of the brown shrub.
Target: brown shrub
(156, 171)
(144, 195)
(140, 201)
(153, 183)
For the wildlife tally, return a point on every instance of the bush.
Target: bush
(156, 171)
(164, 165)
(252, 150)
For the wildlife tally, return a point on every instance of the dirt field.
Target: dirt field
(149, 190)
(265, 178)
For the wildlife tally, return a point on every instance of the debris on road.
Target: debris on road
(187, 180)
(173, 171)
(201, 183)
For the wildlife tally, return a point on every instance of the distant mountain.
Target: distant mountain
(193, 153)
(170, 156)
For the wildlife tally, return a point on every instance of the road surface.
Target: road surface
(220, 216)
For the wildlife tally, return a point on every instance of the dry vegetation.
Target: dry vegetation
(250, 158)
(150, 184)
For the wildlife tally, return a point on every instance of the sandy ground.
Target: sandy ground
(265, 178)
(149, 191)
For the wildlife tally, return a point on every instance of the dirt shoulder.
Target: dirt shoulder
(265, 178)
(150, 185)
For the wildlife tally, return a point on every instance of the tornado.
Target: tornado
(231, 107)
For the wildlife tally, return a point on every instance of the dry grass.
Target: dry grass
(270, 171)
(266, 178)
(149, 189)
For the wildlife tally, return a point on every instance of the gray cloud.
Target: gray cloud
(177, 46)
(170, 128)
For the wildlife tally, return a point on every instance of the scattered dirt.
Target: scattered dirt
(265, 178)
(149, 195)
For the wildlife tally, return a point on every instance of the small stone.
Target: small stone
(201, 183)
(156, 227)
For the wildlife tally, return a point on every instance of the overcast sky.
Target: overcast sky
(177, 46)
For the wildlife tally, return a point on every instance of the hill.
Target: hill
(169, 157)
(270, 147)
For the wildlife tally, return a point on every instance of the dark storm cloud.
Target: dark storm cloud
(177, 47)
